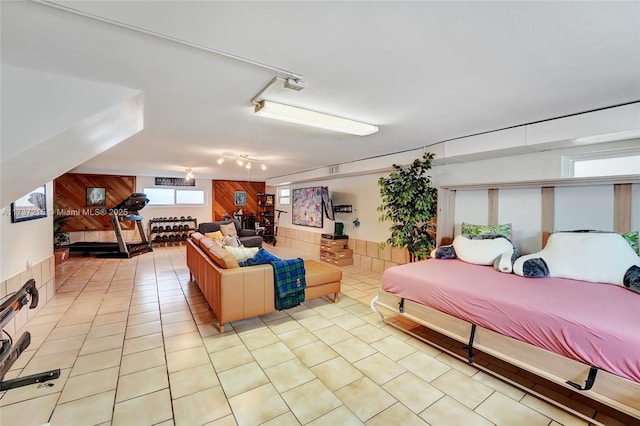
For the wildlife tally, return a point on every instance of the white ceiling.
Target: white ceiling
(423, 71)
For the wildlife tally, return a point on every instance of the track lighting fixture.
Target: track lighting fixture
(242, 160)
(188, 174)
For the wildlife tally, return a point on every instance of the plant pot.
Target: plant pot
(61, 255)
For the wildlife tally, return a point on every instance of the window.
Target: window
(284, 196)
(613, 163)
(170, 196)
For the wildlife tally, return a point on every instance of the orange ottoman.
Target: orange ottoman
(322, 279)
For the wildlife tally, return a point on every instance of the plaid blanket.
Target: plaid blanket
(289, 281)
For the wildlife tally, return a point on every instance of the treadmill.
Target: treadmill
(126, 210)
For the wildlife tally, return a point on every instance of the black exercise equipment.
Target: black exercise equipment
(10, 352)
(126, 210)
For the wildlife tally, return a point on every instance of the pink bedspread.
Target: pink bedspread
(597, 324)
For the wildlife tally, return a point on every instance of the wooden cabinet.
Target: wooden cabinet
(265, 218)
(333, 249)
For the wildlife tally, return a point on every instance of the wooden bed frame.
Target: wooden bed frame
(609, 389)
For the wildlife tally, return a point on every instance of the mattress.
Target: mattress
(597, 324)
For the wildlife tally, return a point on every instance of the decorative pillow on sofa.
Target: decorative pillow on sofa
(481, 249)
(242, 253)
(471, 229)
(262, 257)
(229, 229)
(217, 235)
(603, 257)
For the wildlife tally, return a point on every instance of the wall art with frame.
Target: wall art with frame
(96, 197)
(31, 206)
(307, 207)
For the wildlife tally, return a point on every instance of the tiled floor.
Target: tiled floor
(137, 345)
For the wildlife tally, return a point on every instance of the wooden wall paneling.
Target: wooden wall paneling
(548, 208)
(622, 207)
(446, 216)
(492, 195)
(70, 190)
(223, 196)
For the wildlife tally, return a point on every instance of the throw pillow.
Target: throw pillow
(482, 251)
(471, 229)
(229, 229)
(262, 257)
(231, 241)
(214, 235)
(242, 253)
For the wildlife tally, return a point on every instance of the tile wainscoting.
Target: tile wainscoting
(367, 255)
(44, 274)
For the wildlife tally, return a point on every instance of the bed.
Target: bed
(581, 335)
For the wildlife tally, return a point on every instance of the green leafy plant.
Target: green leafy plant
(409, 202)
(59, 236)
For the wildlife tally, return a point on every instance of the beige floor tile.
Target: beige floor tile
(286, 419)
(329, 310)
(248, 325)
(101, 344)
(314, 353)
(241, 379)
(393, 348)
(348, 321)
(107, 330)
(192, 380)
(143, 329)
(258, 339)
(183, 341)
(142, 343)
(332, 334)
(561, 416)
(463, 388)
(68, 331)
(141, 383)
(221, 341)
(36, 411)
(424, 366)
(413, 392)
(142, 360)
(315, 322)
(501, 409)
(201, 407)
(88, 384)
(397, 414)
(336, 373)
(271, 355)
(187, 358)
(298, 337)
(379, 368)
(368, 333)
(98, 361)
(91, 410)
(26, 393)
(340, 416)
(258, 405)
(65, 344)
(502, 387)
(447, 411)
(282, 325)
(232, 357)
(172, 317)
(299, 397)
(109, 318)
(177, 328)
(145, 410)
(353, 349)
(143, 317)
(38, 363)
(289, 374)
(365, 398)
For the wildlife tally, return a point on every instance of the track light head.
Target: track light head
(220, 160)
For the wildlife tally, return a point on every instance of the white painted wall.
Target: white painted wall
(20, 242)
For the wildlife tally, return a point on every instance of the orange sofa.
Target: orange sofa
(236, 293)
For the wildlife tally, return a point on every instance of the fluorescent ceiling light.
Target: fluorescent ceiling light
(307, 117)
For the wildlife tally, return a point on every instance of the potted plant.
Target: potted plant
(60, 237)
(409, 202)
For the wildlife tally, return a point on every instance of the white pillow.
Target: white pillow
(242, 253)
(231, 241)
(480, 252)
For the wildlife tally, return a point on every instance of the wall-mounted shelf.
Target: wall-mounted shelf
(343, 208)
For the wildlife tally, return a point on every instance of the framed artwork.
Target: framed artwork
(96, 197)
(307, 207)
(31, 206)
(240, 198)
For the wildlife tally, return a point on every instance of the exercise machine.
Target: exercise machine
(126, 210)
(9, 352)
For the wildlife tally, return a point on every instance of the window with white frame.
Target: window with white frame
(284, 196)
(611, 163)
(171, 197)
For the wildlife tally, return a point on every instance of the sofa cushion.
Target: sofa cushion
(222, 257)
(229, 230)
(318, 273)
